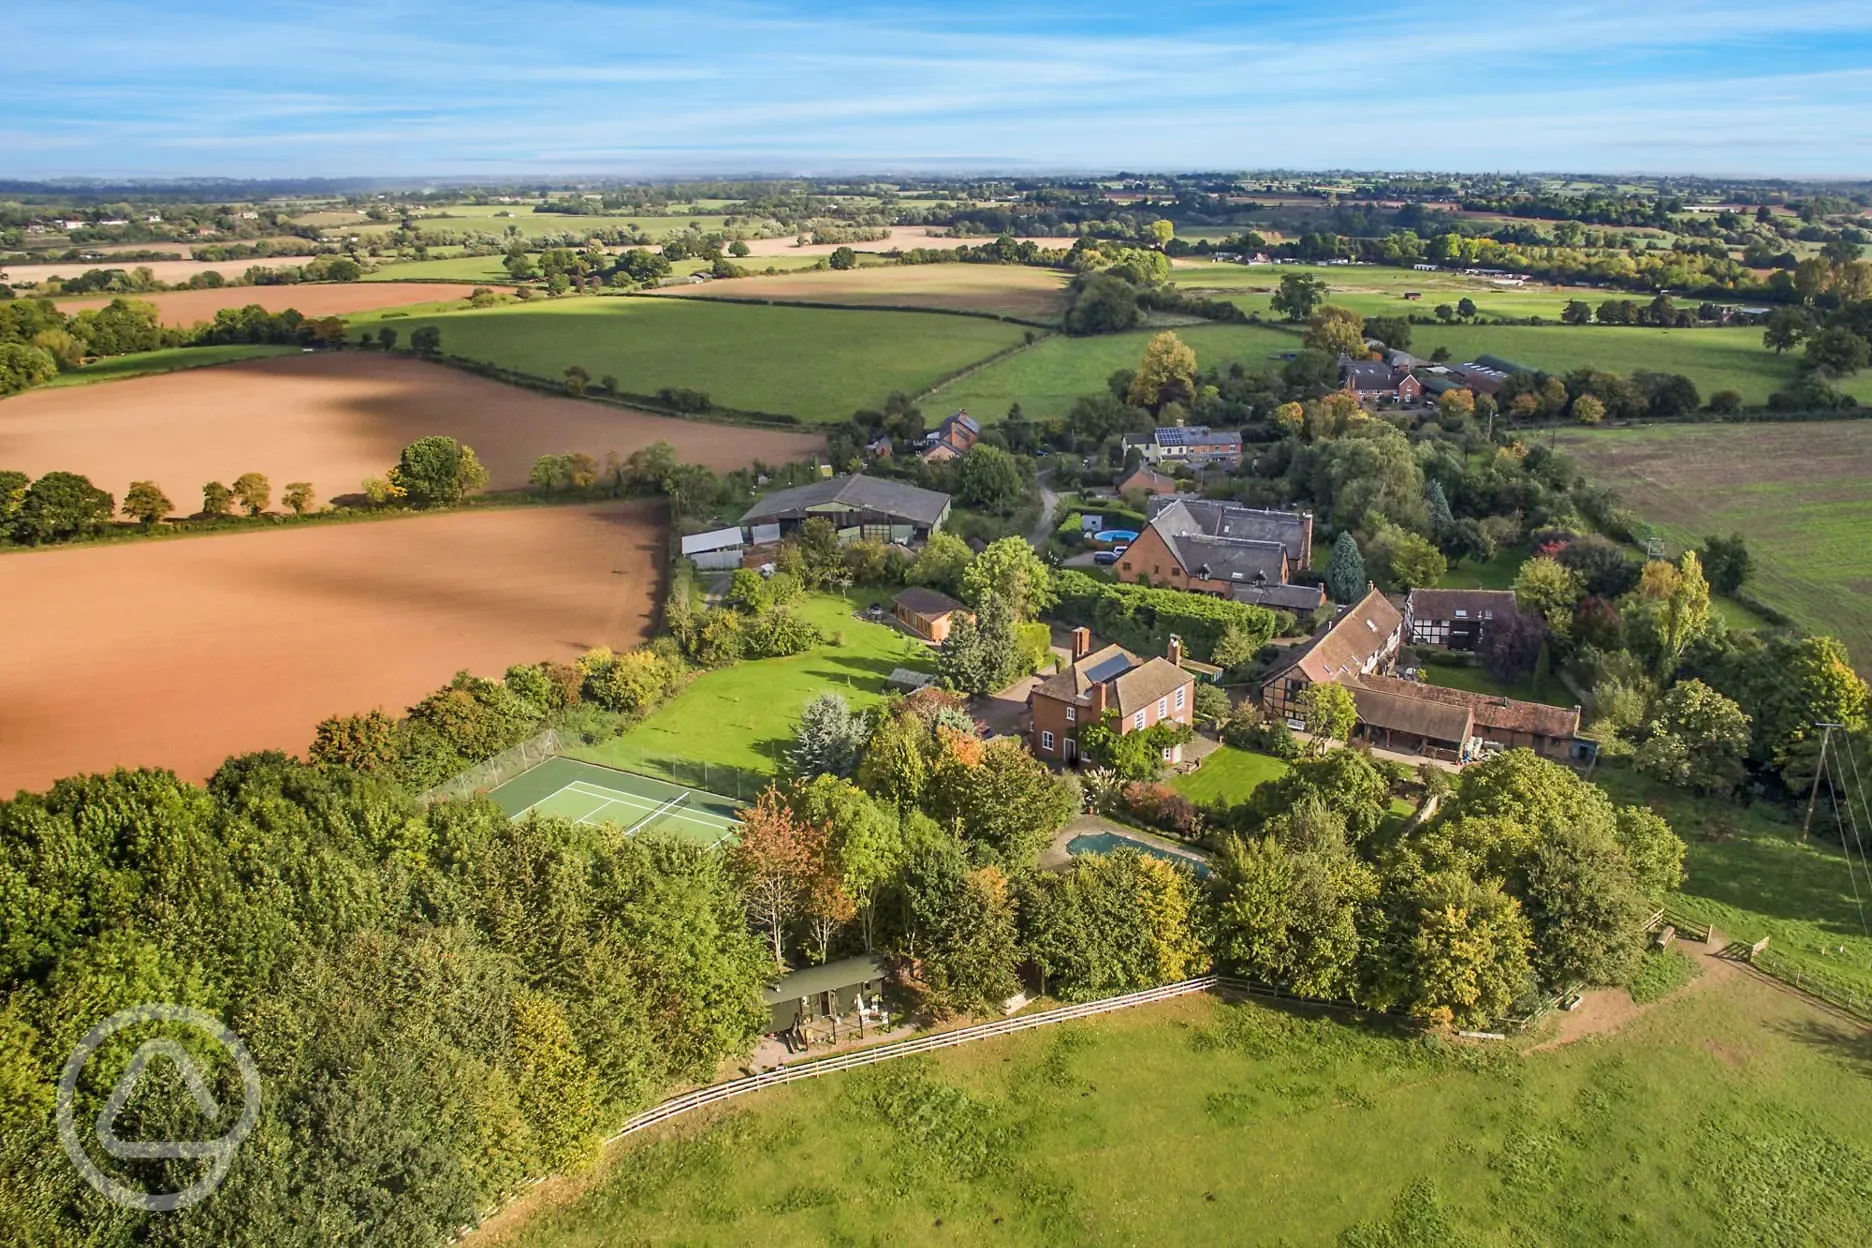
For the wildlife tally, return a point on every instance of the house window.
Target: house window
(1163, 707)
(1126, 566)
(1046, 742)
(1181, 690)
(1072, 714)
(1168, 751)
(1137, 721)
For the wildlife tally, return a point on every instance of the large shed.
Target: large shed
(818, 992)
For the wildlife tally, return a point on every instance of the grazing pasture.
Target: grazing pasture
(334, 419)
(1378, 290)
(482, 270)
(819, 364)
(1800, 493)
(1047, 377)
(164, 360)
(1726, 1113)
(178, 654)
(1004, 289)
(312, 300)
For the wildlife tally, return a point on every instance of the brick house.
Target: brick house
(952, 439)
(928, 614)
(1219, 548)
(1140, 692)
(1196, 445)
(1454, 619)
(1371, 381)
(1362, 640)
(1145, 481)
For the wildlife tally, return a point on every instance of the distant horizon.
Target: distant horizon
(600, 89)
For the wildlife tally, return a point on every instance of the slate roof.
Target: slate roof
(897, 499)
(1197, 436)
(1342, 648)
(1227, 558)
(1490, 710)
(1135, 682)
(921, 600)
(1460, 604)
(1279, 597)
(1179, 516)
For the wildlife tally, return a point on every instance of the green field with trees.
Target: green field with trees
(813, 363)
(1046, 378)
(1726, 1114)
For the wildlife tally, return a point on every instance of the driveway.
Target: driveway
(1049, 505)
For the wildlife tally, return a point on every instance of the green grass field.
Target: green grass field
(449, 269)
(817, 364)
(482, 218)
(1229, 775)
(167, 360)
(1801, 494)
(1375, 290)
(731, 726)
(1046, 378)
(1749, 874)
(1497, 573)
(1726, 1114)
(1475, 679)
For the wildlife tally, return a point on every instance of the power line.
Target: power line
(1852, 875)
(1858, 841)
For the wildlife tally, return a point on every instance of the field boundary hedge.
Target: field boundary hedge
(624, 399)
(821, 304)
(978, 365)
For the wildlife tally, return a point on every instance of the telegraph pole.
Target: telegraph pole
(1813, 794)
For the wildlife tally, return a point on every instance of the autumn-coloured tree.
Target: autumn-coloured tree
(776, 862)
(254, 492)
(146, 503)
(1336, 331)
(1167, 374)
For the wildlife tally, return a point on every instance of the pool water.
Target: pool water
(1106, 842)
(1110, 536)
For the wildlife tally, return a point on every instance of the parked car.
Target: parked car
(1105, 558)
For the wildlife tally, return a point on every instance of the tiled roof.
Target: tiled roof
(920, 600)
(1136, 682)
(1281, 597)
(1227, 558)
(1397, 712)
(1178, 516)
(1490, 711)
(1460, 604)
(1343, 648)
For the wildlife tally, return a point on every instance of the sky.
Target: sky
(415, 88)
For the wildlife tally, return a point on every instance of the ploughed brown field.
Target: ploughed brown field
(334, 419)
(164, 270)
(186, 307)
(1006, 289)
(178, 654)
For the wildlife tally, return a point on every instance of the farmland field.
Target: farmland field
(178, 654)
(1727, 1113)
(1378, 290)
(186, 307)
(900, 236)
(162, 360)
(1007, 290)
(333, 419)
(483, 269)
(1046, 378)
(818, 364)
(1800, 493)
(164, 270)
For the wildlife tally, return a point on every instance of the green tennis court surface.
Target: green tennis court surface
(586, 793)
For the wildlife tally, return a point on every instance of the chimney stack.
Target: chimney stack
(1081, 643)
(1174, 652)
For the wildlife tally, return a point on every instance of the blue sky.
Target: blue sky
(419, 88)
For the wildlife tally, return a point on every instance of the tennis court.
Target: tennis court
(587, 793)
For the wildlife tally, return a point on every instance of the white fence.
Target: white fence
(678, 1106)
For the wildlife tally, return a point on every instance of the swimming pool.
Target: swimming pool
(1106, 842)
(1113, 536)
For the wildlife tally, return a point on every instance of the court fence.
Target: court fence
(491, 773)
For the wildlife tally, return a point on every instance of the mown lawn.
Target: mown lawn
(816, 364)
(1800, 494)
(729, 730)
(1748, 874)
(1727, 1114)
(167, 360)
(1047, 377)
(1229, 775)
(1497, 573)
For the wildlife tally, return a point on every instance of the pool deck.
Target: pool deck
(1054, 857)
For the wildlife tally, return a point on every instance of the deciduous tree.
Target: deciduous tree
(145, 503)
(1167, 374)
